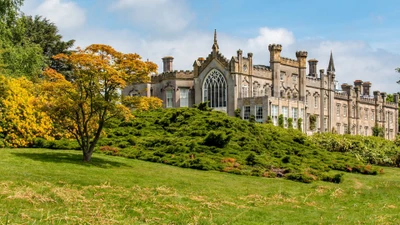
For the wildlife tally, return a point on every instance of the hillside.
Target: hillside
(53, 187)
(211, 140)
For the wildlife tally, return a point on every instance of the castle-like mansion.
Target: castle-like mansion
(283, 87)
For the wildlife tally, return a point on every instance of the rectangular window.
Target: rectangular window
(259, 113)
(184, 97)
(338, 128)
(274, 114)
(345, 128)
(338, 110)
(169, 98)
(326, 124)
(245, 91)
(301, 115)
(294, 116)
(246, 112)
(316, 102)
(366, 131)
(372, 114)
(306, 100)
(344, 111)
(285, 115)
(366, 114)
(318, 123)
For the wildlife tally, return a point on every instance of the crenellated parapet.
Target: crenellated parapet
(289, 62)
(313, 81)
(341, 95)
(176, 74)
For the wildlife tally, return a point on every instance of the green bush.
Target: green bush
(217, 138)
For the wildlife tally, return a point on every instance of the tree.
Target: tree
(84, 104)
(141, 103)
(290, 123)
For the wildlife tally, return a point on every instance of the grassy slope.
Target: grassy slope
(43, 186)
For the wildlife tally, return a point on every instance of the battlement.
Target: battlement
(367, 99)
(176, 74)
(289, 62)
(341, 95)
(262, 68)
(273, 47)
(313, 79)
(391, 104)
(301, 54)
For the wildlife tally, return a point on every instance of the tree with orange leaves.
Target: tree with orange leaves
(84, 103)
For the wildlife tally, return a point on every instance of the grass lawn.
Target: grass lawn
(39, 186)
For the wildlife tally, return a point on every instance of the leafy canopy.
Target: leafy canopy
(86, 102)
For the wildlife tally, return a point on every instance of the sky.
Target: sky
(362, 35)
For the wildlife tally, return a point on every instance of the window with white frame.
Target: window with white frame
(184, 97)
(169, 95)
(259, 113)
(274, 114)
(245, 91)
(344, 110)
(246, 112)
(215, 90)
(318, 123)
(301, 114)
(294, 116)
(285, 115)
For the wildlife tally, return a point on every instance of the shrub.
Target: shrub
(280, 121)
(290, 123)
(300, 124)
(217, 138)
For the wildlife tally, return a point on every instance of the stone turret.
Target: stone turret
(275, 64)
(302, 59)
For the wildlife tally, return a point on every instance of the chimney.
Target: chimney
(313, 67)
(366, 88)
(167, 62)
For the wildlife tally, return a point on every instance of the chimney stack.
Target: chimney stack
(313, 67)
(366, 88)
(167, 62)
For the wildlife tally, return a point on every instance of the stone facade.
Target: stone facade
(282, 87)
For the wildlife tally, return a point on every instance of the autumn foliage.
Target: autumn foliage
(21, 117)
(83, 104)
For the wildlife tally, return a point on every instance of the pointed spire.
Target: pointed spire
(331, 66)
(215, 46)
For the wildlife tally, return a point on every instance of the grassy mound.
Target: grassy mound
(211, 140)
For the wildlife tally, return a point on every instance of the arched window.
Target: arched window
(214, 90)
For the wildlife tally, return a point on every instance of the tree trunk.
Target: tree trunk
(87, 155)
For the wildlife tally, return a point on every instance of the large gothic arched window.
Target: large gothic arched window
(214, 90)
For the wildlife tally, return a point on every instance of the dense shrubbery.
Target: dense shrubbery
(211, 140)
(372, 150)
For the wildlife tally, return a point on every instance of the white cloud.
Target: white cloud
(353, 59)
(67, 15)
(271, 36)
(157, 15)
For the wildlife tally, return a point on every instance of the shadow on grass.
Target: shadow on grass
(62, 157)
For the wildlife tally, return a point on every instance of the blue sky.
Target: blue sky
(363, 35)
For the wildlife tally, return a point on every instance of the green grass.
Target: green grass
(39, 186)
